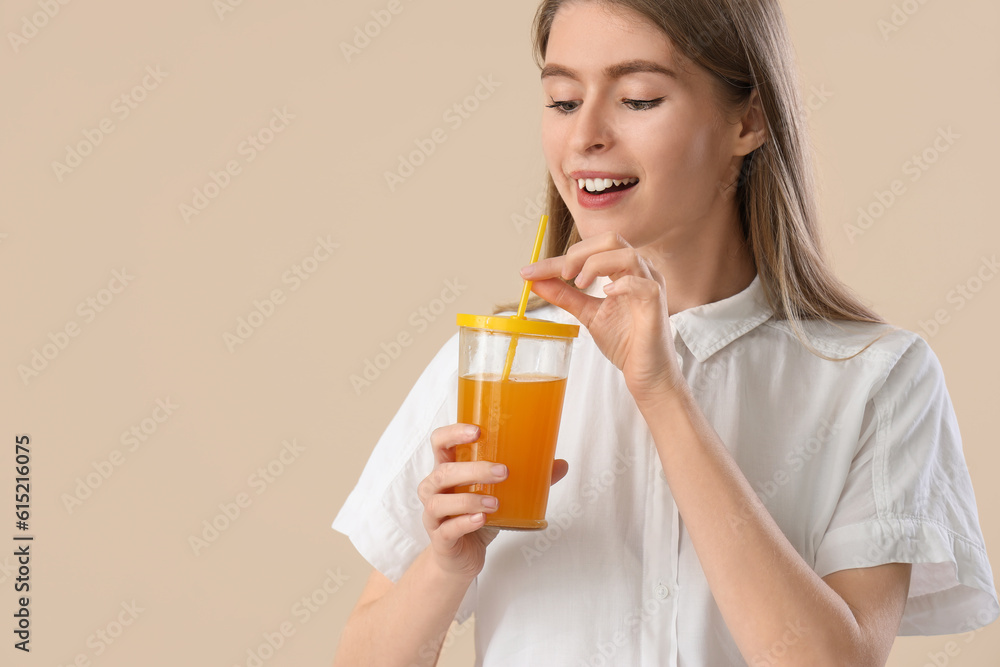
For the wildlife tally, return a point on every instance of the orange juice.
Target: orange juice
(518, 421)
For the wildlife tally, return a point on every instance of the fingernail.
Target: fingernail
(478, 518)
(472, 431)
(528, 271)
(499, 470)
(490, 502)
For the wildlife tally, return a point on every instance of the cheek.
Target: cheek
(680, 156)
(552, 140)
(553, 148)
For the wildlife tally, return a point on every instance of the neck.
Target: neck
(702, 263)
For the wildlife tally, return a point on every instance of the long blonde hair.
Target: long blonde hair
(745, 45)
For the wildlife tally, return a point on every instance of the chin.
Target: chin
(591, 228)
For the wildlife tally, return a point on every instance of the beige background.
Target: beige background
(162, 336)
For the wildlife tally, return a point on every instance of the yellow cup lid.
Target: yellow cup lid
(513, 325)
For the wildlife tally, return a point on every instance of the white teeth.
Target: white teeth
(602, 184)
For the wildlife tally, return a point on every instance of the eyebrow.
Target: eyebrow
(614, 71)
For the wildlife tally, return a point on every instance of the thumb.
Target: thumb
(569, 298)
(559, 469)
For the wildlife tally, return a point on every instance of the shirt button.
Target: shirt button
(663, 475)
(662, 591)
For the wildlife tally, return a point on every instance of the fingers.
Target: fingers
(443, 506)
(567, 266)
(613, 263)
(450, 474)
(642, 290)
(444, 439)
(583, 252)
(452, 530)
(605, 255)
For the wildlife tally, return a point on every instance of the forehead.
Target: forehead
(590, 35)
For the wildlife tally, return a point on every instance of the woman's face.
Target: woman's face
(626, 108)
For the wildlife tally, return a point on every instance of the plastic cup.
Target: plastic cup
(518, 417)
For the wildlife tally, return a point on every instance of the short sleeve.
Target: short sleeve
(382, 515)
(909, 499)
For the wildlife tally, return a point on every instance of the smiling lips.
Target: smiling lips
(593, 185)
(596, 190)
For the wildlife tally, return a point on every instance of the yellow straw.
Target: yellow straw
(525, 293)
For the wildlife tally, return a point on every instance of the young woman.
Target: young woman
(761, 470)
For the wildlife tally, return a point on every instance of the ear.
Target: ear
(751, 126)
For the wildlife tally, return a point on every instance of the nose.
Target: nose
(592, 131)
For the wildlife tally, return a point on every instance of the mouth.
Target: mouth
(595, 190)
(596, 186)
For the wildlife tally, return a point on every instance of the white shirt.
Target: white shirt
(859, 462)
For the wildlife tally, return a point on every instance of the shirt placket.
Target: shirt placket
(659, 583)
(661, 554)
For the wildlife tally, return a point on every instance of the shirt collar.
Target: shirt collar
(708, 328)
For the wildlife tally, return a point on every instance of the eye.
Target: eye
(560, 106)
(642, 105)
(634, 105)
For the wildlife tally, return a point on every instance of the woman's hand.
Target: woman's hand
(631, 326)
(455, 521)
